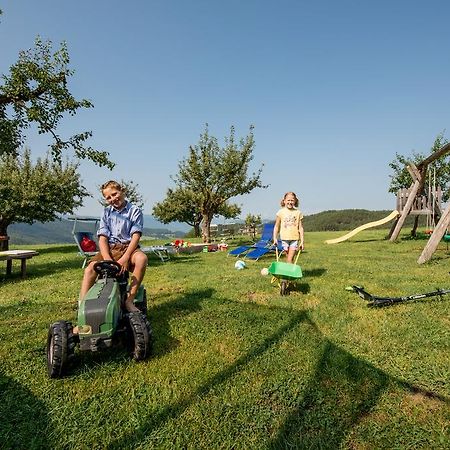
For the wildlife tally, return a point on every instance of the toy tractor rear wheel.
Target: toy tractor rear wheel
(139, 337)
(61, 344)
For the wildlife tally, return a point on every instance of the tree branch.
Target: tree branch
(7, 99)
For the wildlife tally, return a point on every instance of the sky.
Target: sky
(333, 88)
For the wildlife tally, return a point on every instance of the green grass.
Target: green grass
(235, 365)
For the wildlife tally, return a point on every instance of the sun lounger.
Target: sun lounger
(265, 241)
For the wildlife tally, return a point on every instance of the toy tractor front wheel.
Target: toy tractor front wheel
(60, 348)
(139, 337)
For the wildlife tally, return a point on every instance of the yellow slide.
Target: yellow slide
(394, 214)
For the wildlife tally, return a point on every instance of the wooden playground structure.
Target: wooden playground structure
(416, 201)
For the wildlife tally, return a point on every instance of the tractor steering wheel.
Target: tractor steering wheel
(107, 267)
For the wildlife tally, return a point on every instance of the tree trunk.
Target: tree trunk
(196, 230)
(4, 238)
(206, 228)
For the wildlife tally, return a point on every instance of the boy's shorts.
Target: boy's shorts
(289, 244)
(117, 250)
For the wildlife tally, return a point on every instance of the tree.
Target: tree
(36, 92)
(183, 205)
(402, 179)
(252, 222)
(36, 192)
(438, 169)
(217, 174)
(180, 205)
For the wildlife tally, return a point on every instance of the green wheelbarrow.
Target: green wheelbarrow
(285, 273)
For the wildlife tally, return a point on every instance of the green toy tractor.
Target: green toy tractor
(102, 322)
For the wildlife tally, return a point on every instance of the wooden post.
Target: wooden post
(435, 238)
(8, 266)
(4, 243)
(406, 209)
(23, 267)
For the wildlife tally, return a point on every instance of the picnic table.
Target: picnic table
(22, 255)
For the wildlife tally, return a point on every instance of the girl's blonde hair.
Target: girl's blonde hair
(282, 203)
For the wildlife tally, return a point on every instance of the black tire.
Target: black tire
(283, 287)
(61, 344)
(139, 336)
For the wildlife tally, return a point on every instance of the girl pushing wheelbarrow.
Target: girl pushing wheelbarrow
(289, 224)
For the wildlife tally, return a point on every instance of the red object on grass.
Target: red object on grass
(88, 245)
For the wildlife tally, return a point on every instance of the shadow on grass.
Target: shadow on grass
(174, 410)
(38, 270)
(303, 288)
(65, 249)
(341, 391)
(174, 260)
(159, 317)
(23, 418)
(163, 314)
(318, 272)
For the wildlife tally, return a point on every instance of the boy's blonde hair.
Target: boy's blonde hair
(112, 184)
(284, 197)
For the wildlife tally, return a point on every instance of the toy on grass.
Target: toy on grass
(239, 264)
(285, 273)
(264, 271)
(386, 301)
(103, 321)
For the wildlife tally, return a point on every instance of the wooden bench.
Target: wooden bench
(23, 255)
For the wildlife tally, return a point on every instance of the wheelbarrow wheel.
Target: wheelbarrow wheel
(284, 287)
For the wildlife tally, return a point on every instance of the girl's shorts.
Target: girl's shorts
(289, 244)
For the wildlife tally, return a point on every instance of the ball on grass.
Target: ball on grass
(264, 271)
(239, 265)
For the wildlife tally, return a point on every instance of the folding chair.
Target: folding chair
(265, 241)
(78, 236)
(261, 251)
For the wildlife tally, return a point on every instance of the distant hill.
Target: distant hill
(60, 231)
(176, 227)
(348, 219)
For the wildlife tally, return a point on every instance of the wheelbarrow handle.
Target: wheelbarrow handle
(296, 257)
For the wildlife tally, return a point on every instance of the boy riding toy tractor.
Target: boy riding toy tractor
(103, 321)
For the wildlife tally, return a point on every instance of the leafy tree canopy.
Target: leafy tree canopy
(36, 92)
(252, 221)
(37, 192)
(183, 205)
(440, 168)
(216, 174)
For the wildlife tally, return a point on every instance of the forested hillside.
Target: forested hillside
(348, 219)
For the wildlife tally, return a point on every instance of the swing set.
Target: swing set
(414, 201)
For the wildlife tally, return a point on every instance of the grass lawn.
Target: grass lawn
(236, 365)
